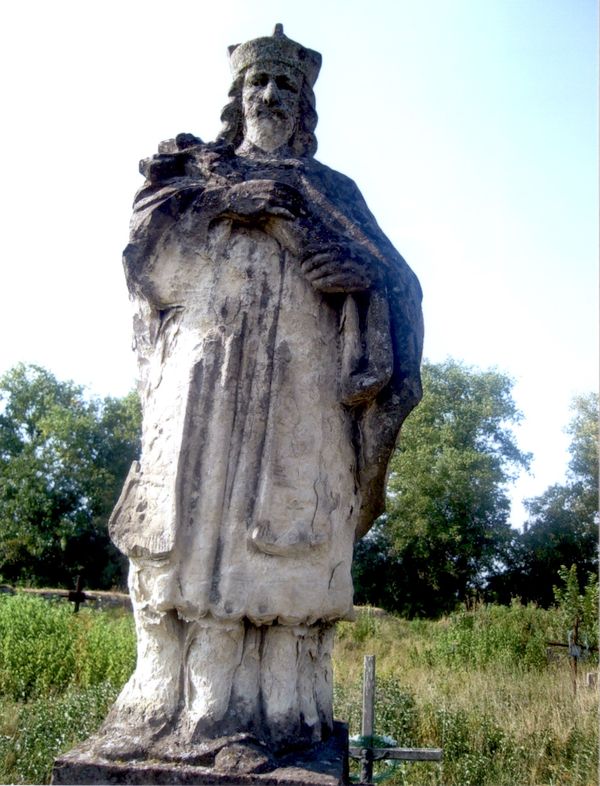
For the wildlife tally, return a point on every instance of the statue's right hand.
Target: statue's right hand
(255, 198)
(164, 166)
(172, 158)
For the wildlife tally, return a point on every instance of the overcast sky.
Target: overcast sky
(469, 125)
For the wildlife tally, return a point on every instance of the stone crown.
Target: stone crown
(276, 48)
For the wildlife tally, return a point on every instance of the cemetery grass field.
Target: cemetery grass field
(478, 684)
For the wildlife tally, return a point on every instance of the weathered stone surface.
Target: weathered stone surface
(235, 763)
(279, 337)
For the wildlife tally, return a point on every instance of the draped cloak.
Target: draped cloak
(270, 409)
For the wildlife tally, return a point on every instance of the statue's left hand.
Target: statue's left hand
(338, 268)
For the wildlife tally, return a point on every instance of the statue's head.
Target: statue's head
(272, 103)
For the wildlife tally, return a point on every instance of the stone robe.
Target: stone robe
(270, 408)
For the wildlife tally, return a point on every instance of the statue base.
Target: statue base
(324, 764)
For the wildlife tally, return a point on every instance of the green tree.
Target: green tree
(446, 527)
(63, 458)
(584, 466)
(562, 523)
(578, 609)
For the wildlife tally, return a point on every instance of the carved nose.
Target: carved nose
(271, 94)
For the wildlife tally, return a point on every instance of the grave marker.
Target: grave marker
(367, 753)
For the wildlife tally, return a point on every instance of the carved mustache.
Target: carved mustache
(271, 112)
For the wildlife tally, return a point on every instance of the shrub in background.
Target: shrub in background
(45, 648)
(514, 636)
(578, 612)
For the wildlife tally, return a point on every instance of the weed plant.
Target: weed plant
(514, 636)
(34, 733)
(59, 674)
(45, 648)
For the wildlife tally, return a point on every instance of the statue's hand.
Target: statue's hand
(172, 159)
(262, 198)
(163, 167)
(337, 268)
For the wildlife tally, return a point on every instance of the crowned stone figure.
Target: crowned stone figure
(279, 336)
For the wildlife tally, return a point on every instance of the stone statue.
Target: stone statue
(279, 337)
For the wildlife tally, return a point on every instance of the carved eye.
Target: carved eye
(283, 83)
(259, 80)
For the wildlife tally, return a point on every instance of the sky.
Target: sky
(470, 127)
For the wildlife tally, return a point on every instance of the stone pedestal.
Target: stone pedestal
(324, 764)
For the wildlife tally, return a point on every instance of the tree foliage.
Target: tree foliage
(445, 536)
(63, 458)
(584, 466)
(562, 524)
(578, 609)
(446, 527)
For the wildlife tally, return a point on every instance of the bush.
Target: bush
(395, 711)
(512, 636)
(36, 646)
(366, 626)
(59, 674)
(105, 646)
(45, 648)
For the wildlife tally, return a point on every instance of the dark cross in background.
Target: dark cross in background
(577, 650)
(76, 596)
(367, 753)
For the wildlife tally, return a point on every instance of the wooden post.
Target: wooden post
(368, 718)
(591, 679)
(574, 652)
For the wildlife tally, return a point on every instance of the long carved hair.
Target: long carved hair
(303, 141)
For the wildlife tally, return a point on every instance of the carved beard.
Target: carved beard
(268, 129)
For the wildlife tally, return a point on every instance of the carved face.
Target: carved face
(270, 98)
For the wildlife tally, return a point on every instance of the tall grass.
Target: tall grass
(45, 648)
(477, 684)
(34, 733)
(59, 674)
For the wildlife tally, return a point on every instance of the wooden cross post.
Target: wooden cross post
(368, 719)
(77, 596)
(368, 753)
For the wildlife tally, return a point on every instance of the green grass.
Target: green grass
(33, 733)
(477, 684)
(59, 674)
